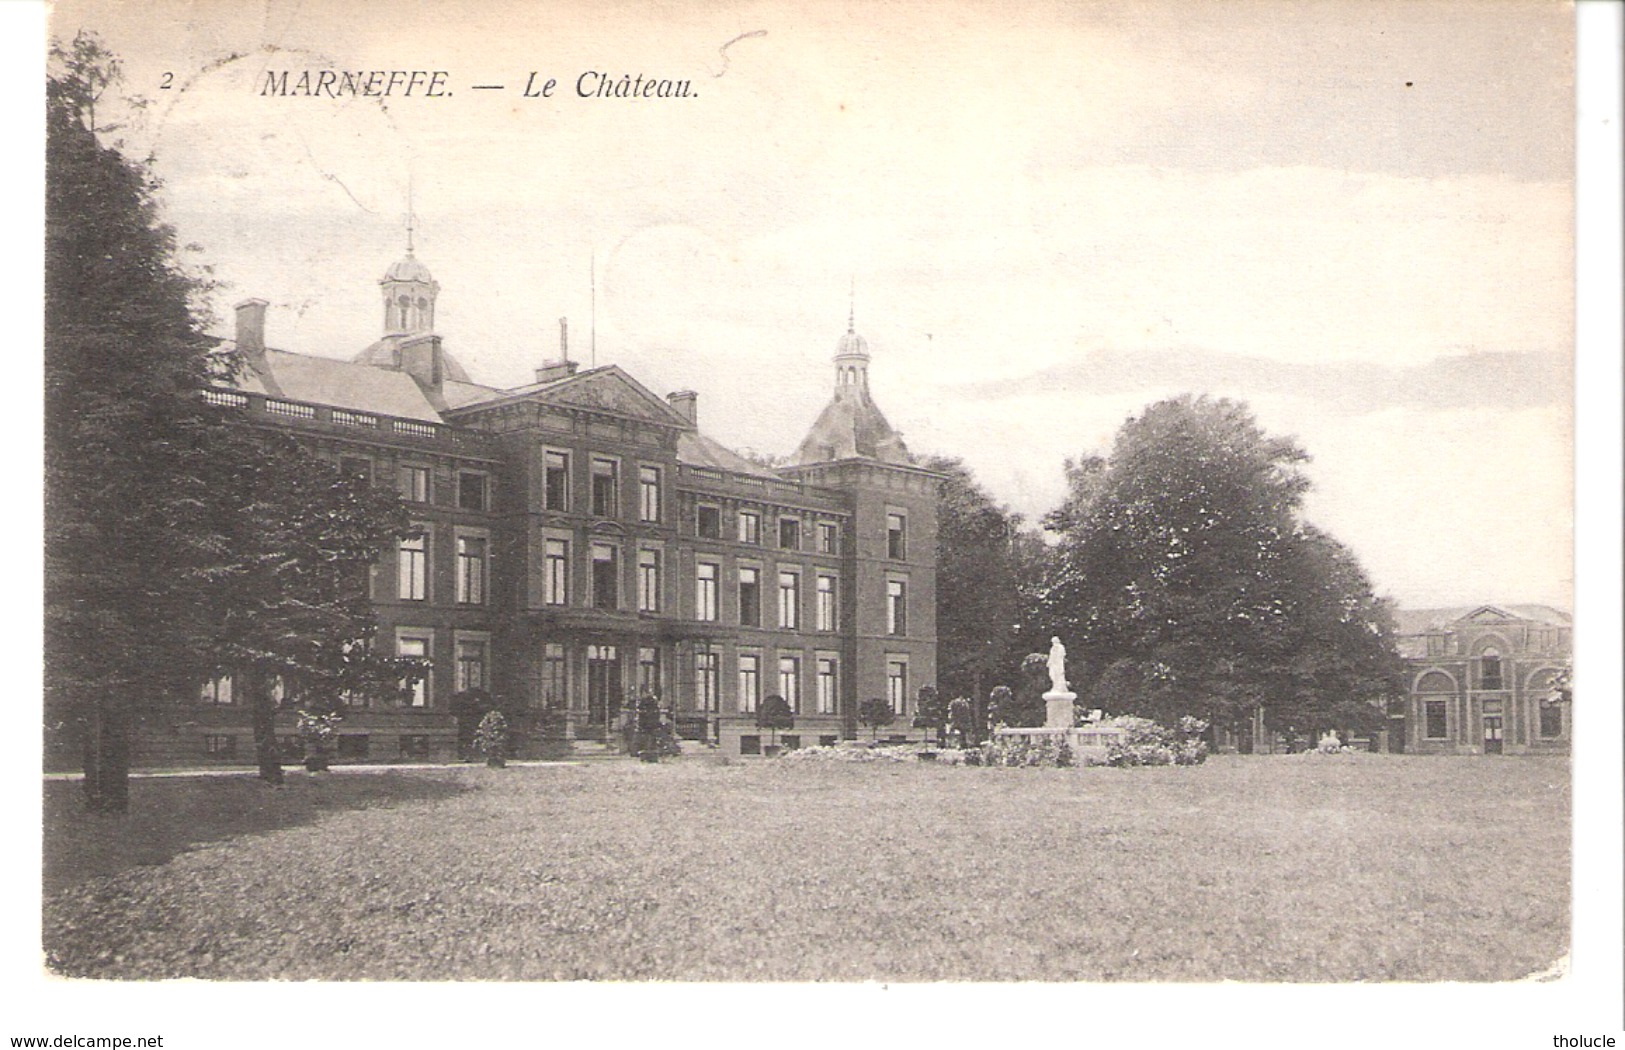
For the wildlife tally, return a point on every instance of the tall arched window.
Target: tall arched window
(1489, 669)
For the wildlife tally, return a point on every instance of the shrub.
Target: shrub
(895, 753)
(491, 737)
(318, 732)
(1148, 743)
(1048, 750)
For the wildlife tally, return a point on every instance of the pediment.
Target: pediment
(1487, 614)
(611, 390)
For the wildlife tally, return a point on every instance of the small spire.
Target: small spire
(409, 215)
(851, 306)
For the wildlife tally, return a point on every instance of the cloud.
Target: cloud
(1479, 379)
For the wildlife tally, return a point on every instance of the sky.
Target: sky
(1356, 218)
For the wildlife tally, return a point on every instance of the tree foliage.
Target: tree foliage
(179, 543)
(977, 581)
(125, 433)
(1185, 572)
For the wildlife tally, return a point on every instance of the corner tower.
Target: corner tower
(889, 558)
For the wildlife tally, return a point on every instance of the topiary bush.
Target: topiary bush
(491, 738)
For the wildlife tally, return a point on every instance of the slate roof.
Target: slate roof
(694, 449)
(342, 384)
(385, 353)
(851, 426)
(1428, 621)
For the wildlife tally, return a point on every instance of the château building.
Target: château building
(1482, 680)
(584, 540)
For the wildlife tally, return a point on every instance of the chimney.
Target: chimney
(564, 339)
(251, 327)
(423, 359)
(555, 370)
(686, 402)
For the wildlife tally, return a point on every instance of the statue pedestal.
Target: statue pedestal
(1058, 709)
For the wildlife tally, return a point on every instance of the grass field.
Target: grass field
(1285, 868)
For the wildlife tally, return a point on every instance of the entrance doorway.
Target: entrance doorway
(603, 686)
(1492, 734)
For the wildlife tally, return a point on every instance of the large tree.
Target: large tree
(124, 429)
(288, 593)
(180, 543)
(1188, 581)
(977, 583)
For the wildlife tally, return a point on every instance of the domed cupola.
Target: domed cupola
(851, 425)
(851, 362)
(409, 293)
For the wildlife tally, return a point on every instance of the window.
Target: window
(708, 522)
(649, 671)
(750, 598)
(416, 745)
(827, 542)
(648, 581)
(1489, 666)
(827, 741)
(750, 681)
(1551, 720)
(750, 527)
(649, 494)
(357, 467)
(750, 745)
(1433, 712)
(413, 562)
(415, 484)
(471, 494)
(705, 591)
(606, 591)
(826, 611)
(789, 600)
(471, 665)
(896, 607)
(896, 536)
(555, 675)
(707, 663)
(556, 572)
(605, 488)
(790, 681)
(826, 685)
(417, 648)
(470, 570)
(789, 534)
(220, 746)
(556, 486)
(354, 745)
(791, 741)
(217, 691)
(897, 685)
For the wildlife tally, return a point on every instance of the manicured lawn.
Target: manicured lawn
(1287, 868)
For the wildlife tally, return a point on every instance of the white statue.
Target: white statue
(1057, 666)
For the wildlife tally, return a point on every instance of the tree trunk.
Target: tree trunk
(107, 758)
(266, 751)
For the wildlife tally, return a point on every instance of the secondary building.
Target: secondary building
(1483, 680)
